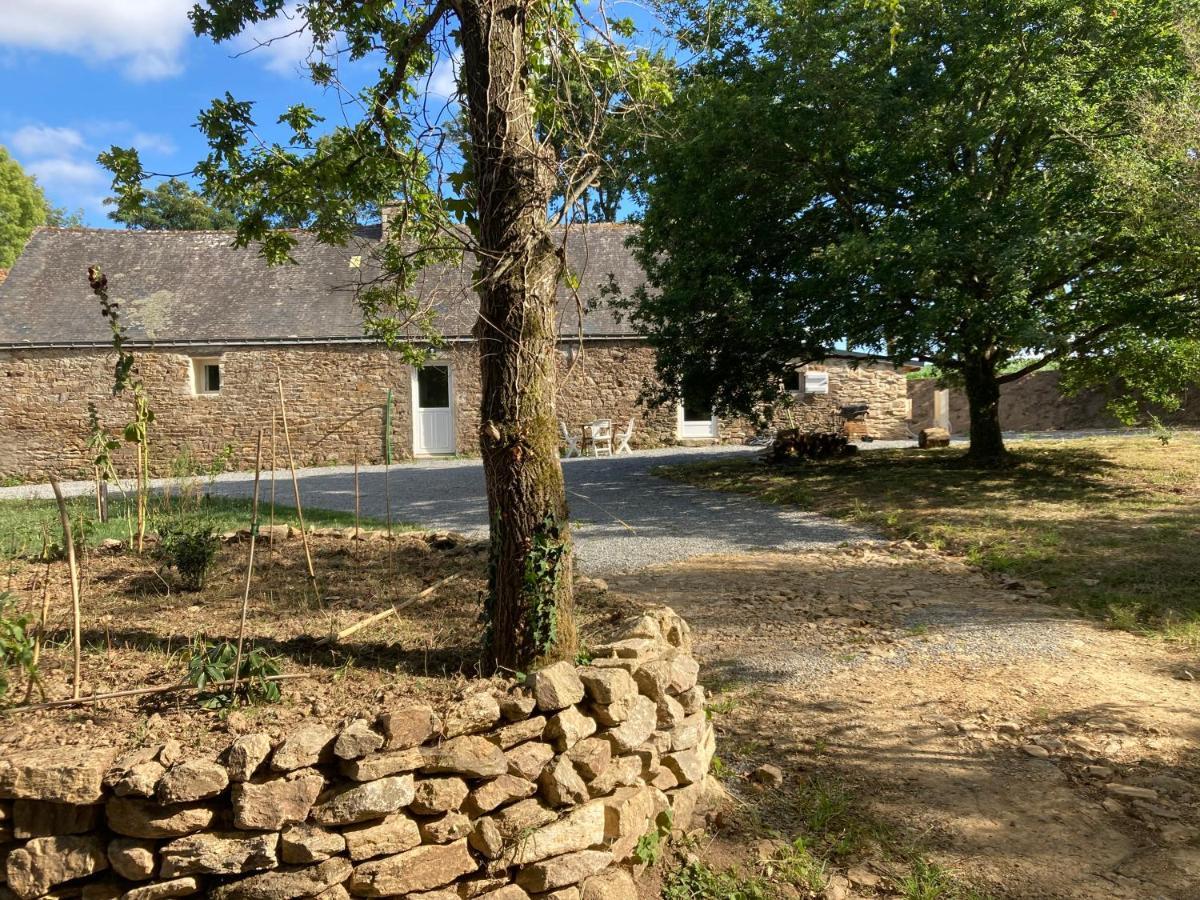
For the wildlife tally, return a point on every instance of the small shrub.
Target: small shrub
(209, 665)
(189, 544)
(16, 646)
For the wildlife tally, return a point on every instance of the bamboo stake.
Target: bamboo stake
(69, 539)
(271, 536)
(287, 440)
(394, 609)
(356, 507)
(237, 664)
(141, 692)
(387, 494)
(44, 624)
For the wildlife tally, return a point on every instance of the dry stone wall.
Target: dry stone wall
(541, 792)
(336, 399)
(1037, 403)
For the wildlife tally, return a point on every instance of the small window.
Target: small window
(793, 382)
(816, 382)
(206, 376)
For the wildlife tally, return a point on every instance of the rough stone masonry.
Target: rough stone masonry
(539, 792)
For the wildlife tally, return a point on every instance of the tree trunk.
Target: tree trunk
(983, 399)
(529, 608)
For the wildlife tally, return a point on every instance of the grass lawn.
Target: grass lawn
(23, 522)
(1110, 526)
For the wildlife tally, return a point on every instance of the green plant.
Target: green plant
(542, 574)
(794, 864)
(17, 647)
(189, 544)
(697, 880)
(928, 881)
(214, 665)
(650, 845)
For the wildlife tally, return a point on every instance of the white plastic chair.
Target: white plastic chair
(572, 443)
(600, 437)
(623, 443)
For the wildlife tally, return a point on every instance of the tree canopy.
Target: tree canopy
(963, 182)
(23, 207)
(172, 206)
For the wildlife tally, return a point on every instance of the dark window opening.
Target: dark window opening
(212, 378)
(433, 387)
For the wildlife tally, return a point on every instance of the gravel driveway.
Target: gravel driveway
(624, 517)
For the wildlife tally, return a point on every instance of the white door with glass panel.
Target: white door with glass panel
(433, 416)
(696, 420)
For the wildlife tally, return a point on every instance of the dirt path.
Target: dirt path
(1030, 753)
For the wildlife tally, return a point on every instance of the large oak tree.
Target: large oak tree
(967, 182)
(531, 104)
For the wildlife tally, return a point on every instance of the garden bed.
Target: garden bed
(140, 630)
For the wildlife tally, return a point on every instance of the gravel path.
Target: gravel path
(624, 517)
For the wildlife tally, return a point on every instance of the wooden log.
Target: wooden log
(140, 692)
(394, 609)
(237, 663)
(69, 540)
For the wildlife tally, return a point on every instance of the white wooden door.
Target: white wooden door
(433, 414)
(696, 421)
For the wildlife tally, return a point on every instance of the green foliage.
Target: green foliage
(967, 182)
(649, 846)
(213, 664)
(23, 208)
(543, 574)
(189, 544)
(172, 206)
(1143, 378)
(16, 645)
(696, 880)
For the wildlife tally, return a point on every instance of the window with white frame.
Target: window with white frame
(206, 376)
(799, 382)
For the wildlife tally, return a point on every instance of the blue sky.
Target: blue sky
(77, 76)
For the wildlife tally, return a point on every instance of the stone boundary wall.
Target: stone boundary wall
(1036, 403)
(539, 792)
(335, 400)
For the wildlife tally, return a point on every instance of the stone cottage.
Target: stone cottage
(215, 329)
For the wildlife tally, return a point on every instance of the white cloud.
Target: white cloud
(149, 142)
(65, 174)
(45, 140)
(443, 80)
(144, 37)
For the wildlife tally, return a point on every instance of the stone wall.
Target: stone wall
(538, 792)
(335, 401)
(1037, 403)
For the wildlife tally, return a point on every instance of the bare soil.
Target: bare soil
(956, 716)
(139, 630)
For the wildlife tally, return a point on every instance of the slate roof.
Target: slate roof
(194, 288)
